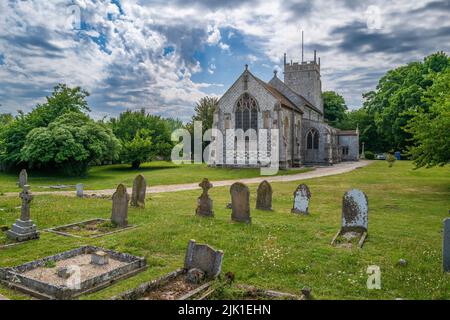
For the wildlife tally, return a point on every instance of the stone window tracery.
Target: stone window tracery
(246, 114)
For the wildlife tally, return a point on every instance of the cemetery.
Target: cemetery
(277, 240)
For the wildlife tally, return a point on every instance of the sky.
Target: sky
(165, 55)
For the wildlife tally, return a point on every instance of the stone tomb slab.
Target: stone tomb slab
(93, 228)
(41, 279)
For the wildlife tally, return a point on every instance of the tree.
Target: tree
(430, 130)
(70, 144)
(334, 108)
(152, 133)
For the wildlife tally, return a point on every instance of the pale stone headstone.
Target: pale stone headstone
(203, 257)
(302, 195)
(204, 202)
(120, 200)
(24, 228)
(264, 196)
(138, 192)
(240, 202)
(23, 178)
(355, 211)
(99, 258)
(446, 246)
(79, 187)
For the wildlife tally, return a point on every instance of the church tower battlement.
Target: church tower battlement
(304, 79)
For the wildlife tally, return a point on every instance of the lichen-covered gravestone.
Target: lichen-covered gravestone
(446, 246)
(23, 178)
(355, 217)
(301, 199)
(138, 192)
(203, 257)
(264, 196)
(240, 202)
(204, 202)
(120, 201)
(24, 229)
(79, 187)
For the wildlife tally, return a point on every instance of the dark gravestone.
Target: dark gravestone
(264, 196)
(301, 199)
(204, 202)
(24, 229)
(138, 192)
(240, 202)
(446, 246)
(203, 257)
(120, 201)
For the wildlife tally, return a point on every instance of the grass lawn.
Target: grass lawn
(279, 250)
(155, 173)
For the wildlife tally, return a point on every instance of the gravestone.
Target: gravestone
(204, 202)
(138, 192)
(24, 229)
(79, 187)
(203, 257)
(264, 196)
(446, 246)
(355, 217)
(302, 195)
(23, 178)
(355, 211)
(120, 200)
(240, 202)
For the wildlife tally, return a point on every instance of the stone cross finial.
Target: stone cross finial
(26, 197)
(246, 67)
(205, 185)
(204, 202)
(275, 72)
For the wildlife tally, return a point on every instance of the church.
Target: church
(294, 106)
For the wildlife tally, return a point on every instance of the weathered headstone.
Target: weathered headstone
(24, 228)
(204, 202)
(301, 199)
(355, 211)
(240, 202)
(23, 178)
(79, 187)
(138, 192)
(120, 201)
(264, 196)
(203, 257)
(355, 217)
(446, 246)
(99, 258)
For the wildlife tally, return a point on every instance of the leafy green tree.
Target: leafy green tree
(138, 150)
(430, 129)
(334, 108)
(70, 144)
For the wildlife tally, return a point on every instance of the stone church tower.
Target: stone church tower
(304, 79)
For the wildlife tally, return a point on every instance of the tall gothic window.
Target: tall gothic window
(246, 115)
(312, 139)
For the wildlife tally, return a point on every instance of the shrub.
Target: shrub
(369, 155)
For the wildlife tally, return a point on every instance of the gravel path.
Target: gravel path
(339, 168)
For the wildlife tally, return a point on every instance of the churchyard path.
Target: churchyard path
(321, 171)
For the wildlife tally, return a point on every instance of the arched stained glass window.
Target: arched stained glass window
(246, 114)
(312, 139)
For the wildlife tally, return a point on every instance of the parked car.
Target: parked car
(380, 156)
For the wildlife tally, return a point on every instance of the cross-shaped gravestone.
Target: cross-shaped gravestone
(26, 197)
(138, 192)
(204, 202)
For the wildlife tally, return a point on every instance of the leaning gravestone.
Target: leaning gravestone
(355, 213)
(301, 199)
(446, 246)
(24, 229)
(204, 202)
(79, 187)
(138, 192)
(264, 196)
(23, 178)
(240, 202)
(120, 201)
(203, 257)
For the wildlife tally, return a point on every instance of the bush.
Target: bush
(390, 159)
(369, 155)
